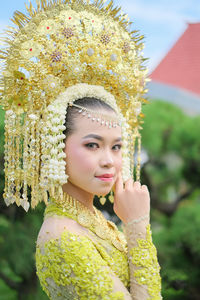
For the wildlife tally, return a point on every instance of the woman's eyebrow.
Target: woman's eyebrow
(98, 137)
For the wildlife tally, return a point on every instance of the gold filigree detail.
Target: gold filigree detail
(94, 221)
(54, 46)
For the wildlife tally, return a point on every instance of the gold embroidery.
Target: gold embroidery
(96, 222)
(72, 266)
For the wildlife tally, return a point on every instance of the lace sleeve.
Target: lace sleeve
(145, 280)
(70, 267)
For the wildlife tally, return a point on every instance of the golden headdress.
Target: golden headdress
(58, 52)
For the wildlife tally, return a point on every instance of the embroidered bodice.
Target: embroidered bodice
(93, 260)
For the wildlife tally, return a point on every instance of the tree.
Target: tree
(172, 174)
(173, 145)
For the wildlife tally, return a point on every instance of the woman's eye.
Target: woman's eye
(92, 145)
(117, 147)
(95, 146)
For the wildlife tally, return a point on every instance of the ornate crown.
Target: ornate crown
(59, 44)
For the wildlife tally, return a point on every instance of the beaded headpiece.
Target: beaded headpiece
(61, 51)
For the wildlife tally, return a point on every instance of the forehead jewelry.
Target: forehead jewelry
(103, 119)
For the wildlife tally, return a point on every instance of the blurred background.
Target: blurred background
(170, 155)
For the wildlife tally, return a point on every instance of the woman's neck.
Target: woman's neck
(82, 196)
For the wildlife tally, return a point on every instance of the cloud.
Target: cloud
(168, 12)
(162, 23)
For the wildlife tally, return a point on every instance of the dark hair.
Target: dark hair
(87, 102)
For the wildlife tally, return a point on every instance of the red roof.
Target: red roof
(181, 66)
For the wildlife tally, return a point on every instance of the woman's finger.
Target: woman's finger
(119, 183)
(128, 183)
(144, 187)
(137, 184)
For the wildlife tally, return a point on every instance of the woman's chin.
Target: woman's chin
(103, 192)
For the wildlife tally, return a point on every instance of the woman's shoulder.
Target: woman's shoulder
(54, 226)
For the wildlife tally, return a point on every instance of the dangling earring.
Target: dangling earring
(111, 196)
(102, 200)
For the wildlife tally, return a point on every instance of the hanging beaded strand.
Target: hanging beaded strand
(7, 145)
(13, 157)
(37, 166)
(18, 141)
(32, 153)
(25, 202)
(138, 157)
(43, 179)
(9, 157)
(132, 151)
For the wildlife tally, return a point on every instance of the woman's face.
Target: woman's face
(93, 155)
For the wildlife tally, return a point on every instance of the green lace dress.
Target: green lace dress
(80, 256)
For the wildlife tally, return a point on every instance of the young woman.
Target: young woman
(80, 255)
(72, 86)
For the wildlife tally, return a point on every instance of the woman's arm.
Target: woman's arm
(132, 205)
(145, 280)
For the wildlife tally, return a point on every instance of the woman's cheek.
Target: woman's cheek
(84, 160)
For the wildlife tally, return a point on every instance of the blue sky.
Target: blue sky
(162, 22)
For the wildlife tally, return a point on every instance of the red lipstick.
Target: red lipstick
(106, 177)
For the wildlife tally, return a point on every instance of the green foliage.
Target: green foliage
(6, 292)
(168, 131)
(17, 248)
(160, 120)
(179, 252)
(172, 173)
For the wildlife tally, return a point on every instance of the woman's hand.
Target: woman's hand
(131, 201)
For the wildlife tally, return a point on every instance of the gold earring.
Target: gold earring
(102, 200)
(111, 196)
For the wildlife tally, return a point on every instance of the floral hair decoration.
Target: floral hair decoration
(58, 52)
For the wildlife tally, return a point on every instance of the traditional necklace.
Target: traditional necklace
(96, 222)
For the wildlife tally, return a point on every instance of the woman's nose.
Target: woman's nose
(107, 159)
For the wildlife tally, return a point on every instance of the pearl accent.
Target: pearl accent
(113, 57)
(138, 111)
(90, 51)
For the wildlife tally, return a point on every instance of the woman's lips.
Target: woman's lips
(104, 178)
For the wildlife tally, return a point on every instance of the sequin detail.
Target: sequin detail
(68, 265)
(144, 257)
(68, 32)
(61, 264)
